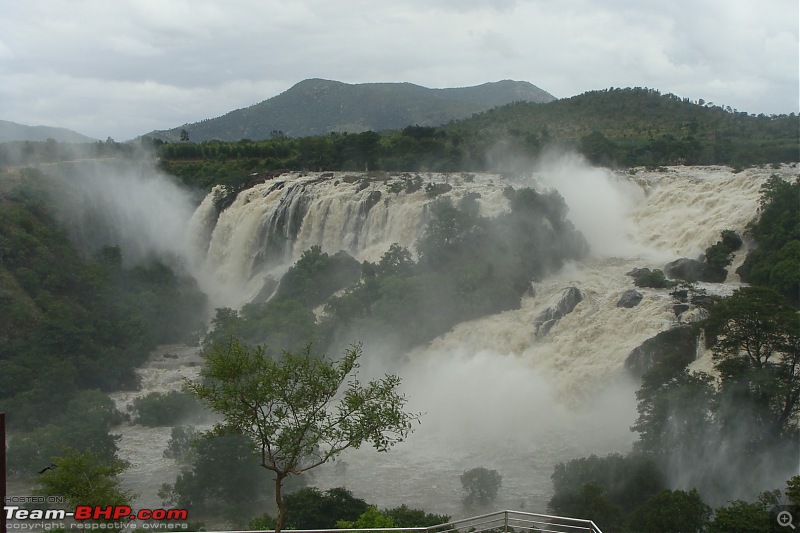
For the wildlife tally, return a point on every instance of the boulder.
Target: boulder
(703, 300)
(679, 309)
(630, 298)
(544, 321)
(694, 314)
(676, 347)
(685, 269)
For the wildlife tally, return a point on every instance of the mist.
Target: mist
(492, 393)
(128, 205)
(485, 408)
(600, 202)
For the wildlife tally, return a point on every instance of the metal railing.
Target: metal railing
(517, 521)
(497, 522)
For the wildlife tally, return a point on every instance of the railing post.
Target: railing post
(3, 470)
(505, 522)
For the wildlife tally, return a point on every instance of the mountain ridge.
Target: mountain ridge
(12, 131)
(317, 106)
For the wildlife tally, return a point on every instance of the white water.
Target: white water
(143, 447)
(492, 395)
(306, 210)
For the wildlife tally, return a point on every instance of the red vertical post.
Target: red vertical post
(3, 470)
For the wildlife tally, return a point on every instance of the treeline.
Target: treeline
(24, 153)
(641, 127)
(617, 127)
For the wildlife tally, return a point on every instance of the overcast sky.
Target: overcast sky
(122, 68)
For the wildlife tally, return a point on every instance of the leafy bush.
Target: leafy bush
(720, 255)
(654, 279)
(164, 409)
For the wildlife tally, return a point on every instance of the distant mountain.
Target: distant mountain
(315, 106)
(11, 131)
(618, 127)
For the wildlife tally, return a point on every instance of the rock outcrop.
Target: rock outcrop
(630, 298)
(674, 347)
(544, 321)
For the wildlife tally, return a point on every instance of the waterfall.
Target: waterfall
(494, 393)
(268, 226)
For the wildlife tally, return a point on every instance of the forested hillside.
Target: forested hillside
(70, 324)
(616, 127)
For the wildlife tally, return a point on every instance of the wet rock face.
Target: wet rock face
(544, 321)
(679, 309)
(630, 298)
(674, 347)
(685, 269)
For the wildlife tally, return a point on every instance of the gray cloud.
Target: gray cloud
(123, 68)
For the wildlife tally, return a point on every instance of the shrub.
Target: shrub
(163, 409)
(481, 485)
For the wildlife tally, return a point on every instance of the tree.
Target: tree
(777, 232)
(755, 338)
(481, 484)
(674, 412)
(220, 478)
(625, 482)
(310, 508)
(84, 478)
(84, 427)
(672, 510)
(745, 517)
(591, 500)
(300, 410)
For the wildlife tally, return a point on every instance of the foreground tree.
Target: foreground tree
(85, 478)
(300, 410)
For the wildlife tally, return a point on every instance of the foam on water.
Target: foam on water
(493, 394)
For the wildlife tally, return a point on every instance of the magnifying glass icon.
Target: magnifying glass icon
(785, 519)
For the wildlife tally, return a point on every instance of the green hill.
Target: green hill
(318, 107)
(615, 127)
(637, 126)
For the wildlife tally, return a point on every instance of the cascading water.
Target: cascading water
(494, 393)
(267, 227)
